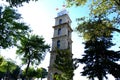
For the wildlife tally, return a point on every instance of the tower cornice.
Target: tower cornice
(62, 36)
(61, 25)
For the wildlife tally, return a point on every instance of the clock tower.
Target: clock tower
(61, 39)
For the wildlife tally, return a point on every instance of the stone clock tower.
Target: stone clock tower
(61, 39)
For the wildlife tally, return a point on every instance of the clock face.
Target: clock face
(62, 12)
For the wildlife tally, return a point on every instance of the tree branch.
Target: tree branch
(117, 2)
(114, 29)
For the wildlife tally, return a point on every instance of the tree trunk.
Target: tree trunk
(100, 77)
(26, 72)
(41, 75)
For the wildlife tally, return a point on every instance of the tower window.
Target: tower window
(68, 33)
(68, 45)
(60, 21)
(58, 44)
(59, 31)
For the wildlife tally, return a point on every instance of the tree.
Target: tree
(16, 73)
(1, 59)
(1, 72)
(96, 31)
(11, 30)
(106, 8)
(41, 73)
(98, 60)
(7, 67)
(64, 63)
(94, 27)
(18, 2)
(36, 73)
(32, 50)
(31, 73)
(100, 11)
(103, 20)
(98, 7)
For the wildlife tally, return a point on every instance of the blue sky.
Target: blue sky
(40, 17)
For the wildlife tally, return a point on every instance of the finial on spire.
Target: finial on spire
(57, 9)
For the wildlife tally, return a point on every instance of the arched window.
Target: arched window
(58, 44)
(68, 45)
(59, 31)
(60, 21)
(68, 33)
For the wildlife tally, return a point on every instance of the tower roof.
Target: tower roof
(63, 24)
(63, 12)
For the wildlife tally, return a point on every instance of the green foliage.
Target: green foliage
(32, 50)
(64, 63)
(31, 72)
(108, 8)
(7, 66)
(16, 72)
(32, 47)
(18, 2)
(94, 27)
(1, 59)
(41, 73)
(104, 19)
(98, 6)
(35, 73)
(105, 6)
(11, 30)
(75, 2)
(98, 60)
(60, 77)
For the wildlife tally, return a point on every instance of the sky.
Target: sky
(40, 17)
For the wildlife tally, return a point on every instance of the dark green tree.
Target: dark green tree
(95, 27)
(1, 59)
(36, 73)
(18, 2)
(41, 73)
(7, 67)
(11, 29)
(31, 73)
(16, 73)
(98, 60)
(2, 73)
(64, 63)
(32, 50)
(103, 20)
